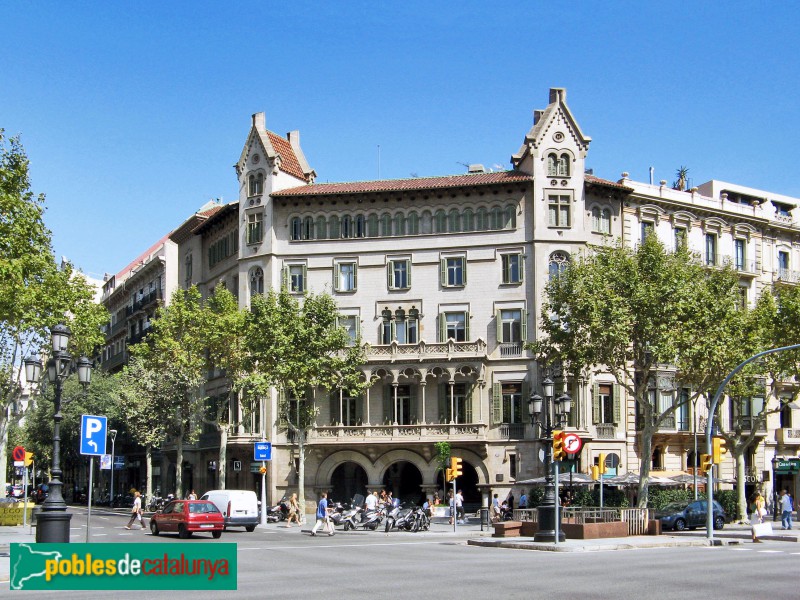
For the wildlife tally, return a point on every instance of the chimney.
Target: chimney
(476, 169)
(558, 95)
(537, 114)
(259, 121)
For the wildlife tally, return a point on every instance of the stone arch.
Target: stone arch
(329, 465)
(397, 455)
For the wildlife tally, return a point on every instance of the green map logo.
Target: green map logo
(123, 567)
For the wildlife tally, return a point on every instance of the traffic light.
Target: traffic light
(558, 446)
(705, 463)
(262, 470)
(601, 463)
(448, 476)
(455, 466)
(718, 449)
(28, 459)
(595, 473)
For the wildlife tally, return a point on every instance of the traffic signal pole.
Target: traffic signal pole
(711, 412)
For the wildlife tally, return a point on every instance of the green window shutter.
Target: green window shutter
(617, 403)
(408, 273)
(526, 417)
(497, 404)
(305, 278)
(524, 333)
(464, 270)
(498, 320)
(504, 262)
(466, 327)
(506, 409)
(468, 401)
(442, 328)
(389, 274)
(285, 277)
(336, 277)
(444, 404)
(443, 272)
(522, 262)
(333, 397)
(355, 277)
(595, 402)
(388, 413)
(282, 409)
(413, 405)
(358, 327)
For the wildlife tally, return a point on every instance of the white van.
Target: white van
(239, 507)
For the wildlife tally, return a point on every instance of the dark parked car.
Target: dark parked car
(188, 516)
(689, 515)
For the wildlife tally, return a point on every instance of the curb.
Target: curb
(593, 547)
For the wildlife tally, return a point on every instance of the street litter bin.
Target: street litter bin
(484, 513)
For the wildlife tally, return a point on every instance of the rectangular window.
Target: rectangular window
(559, 210)
(455, 326)
(399, 274)
(783, 264)
(512, 268)
(350, 324)
(454, 271)
(647, 229)
(345, 277)
(255, 232)
(511, 325)
(295, 278)
(711, 249)
(682, 411)
(512, 403)
(680, 238)
(739, 254)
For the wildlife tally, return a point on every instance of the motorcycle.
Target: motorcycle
(373, 518)
(402, 518)
(279, 512)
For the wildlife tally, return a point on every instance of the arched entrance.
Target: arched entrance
(467, 483)
(404, 480)
(347, 480)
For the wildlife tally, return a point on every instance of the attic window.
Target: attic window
(256, 184)
(782, 210)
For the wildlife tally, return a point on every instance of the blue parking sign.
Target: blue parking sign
(93, 435)
(262, 451)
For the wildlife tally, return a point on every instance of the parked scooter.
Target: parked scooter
(279, 512)
(401, 518)
(373, 518)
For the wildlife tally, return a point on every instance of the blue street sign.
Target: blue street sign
(119, 462)
(93, 435)
(262, 451)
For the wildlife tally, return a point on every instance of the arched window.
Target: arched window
(256, 281)
(559, 261)
(482, 219)
(386, 225)
(510, 217)
(454, 221)
(496, 218)
(605, 221)
(399, 224)
(361, 226)
(322, 228)
(334, 227)
(468, 220)
(563, 165)
(426, 226)
(440, 222)
(413, 223)
(552, 165)
(296, 228)
(308, 228)
(372, 225)
(347, 226)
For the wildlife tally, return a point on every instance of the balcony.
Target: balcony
(512, 431)
(606, 431)
(146, 300)
(788, 276)
(397, 434)
(746, 424)
(449, 350)
(788, 436)
(117, 327)
(117, 360)
(510, 349)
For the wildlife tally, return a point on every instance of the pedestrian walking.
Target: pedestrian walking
(191, 496)
(136, 511)
(460, 507)
(495, 509)
(786, 509)
(523, 500)
(758, 513)
(322, 516)
(294, 511)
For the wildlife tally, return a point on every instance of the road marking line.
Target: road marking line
(440, 543)
(770, 551)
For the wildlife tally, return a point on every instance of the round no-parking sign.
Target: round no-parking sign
(572, 443)
(18, 453)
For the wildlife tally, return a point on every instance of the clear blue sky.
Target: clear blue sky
(133, 113)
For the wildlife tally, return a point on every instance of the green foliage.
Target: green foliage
(660, 497)
(729, 500)
(590, 496)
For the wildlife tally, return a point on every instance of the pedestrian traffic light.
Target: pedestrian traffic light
(601, 463)
(718, 449)
(558, 445)
(28, 459)
(455, 466)
(448, 475)
(705, 463)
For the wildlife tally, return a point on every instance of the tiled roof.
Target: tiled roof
(213, 215)
(122, 275)
(605, 182)
(289, 162)
(401, 185)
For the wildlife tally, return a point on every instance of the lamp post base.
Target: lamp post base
(547, 525)
(52, 527)
(549, 536)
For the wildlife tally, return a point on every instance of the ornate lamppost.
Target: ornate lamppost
(53, 520)
(547, 415)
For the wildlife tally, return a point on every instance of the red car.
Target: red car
(187, 517)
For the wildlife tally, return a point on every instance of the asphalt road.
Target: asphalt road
(286, 563)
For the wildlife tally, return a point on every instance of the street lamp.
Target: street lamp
(53, 521)
(113, 434)
(548, 414)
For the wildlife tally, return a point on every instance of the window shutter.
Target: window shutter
(388, 404)
(522, 262)
(464, 271)
(357, 326)
(497, 403)
(524, 332)
(285, 277)
(442, 328)
(526, 417)
(617, 403)
(408, 273)
(337, 274)
(468, 404)
(595, 402)
(466, 327)
(355, 277)
(444, 404)
(304, 287)
(389, 275)
(333, 397)
(443, 272)
(498, 319)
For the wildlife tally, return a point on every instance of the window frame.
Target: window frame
(339, 276)
(508, 269)
(447, 269)
(255, 228)
(391, 273)
(557, 201)
(444, 328)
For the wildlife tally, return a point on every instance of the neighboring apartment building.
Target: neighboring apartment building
(443, 278)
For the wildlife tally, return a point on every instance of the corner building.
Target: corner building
(443, 279)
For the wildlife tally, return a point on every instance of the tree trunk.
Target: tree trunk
(4, 420)
(148, 452)
(301, 472)
(223, 453)
(645, 454)
(741, 498)
(179, 466)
